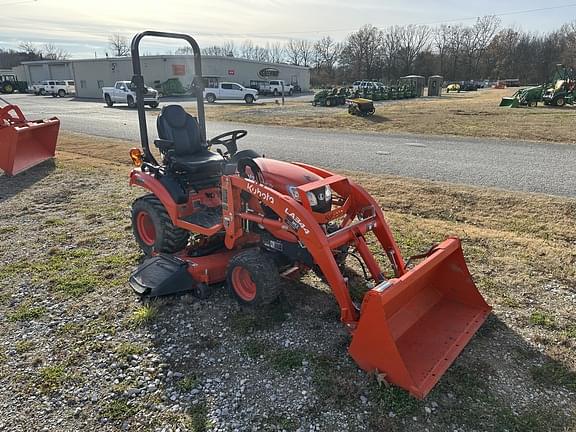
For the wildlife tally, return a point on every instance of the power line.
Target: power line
(18, 2)
(517, 12)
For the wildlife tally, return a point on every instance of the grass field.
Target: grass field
(66, 248)
(471, 114)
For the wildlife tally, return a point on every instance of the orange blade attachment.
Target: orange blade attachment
(25, 145)
(413, 328)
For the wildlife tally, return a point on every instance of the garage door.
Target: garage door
(37, 73)
(60, 71)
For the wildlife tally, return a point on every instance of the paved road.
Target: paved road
(523, 166)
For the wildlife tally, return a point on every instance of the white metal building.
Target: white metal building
(40, 70)
(90, 75)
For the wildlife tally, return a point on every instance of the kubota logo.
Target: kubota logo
(264, 196)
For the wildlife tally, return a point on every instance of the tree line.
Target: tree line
(482, 50)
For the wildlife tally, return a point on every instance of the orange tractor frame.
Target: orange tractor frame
(260, 219)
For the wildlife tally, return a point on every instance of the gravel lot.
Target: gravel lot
(79, 352)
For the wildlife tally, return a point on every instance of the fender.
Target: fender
(138, 178)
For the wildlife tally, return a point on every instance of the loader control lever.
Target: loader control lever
(228, 140)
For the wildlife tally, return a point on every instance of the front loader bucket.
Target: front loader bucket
(511, 102)
(24, 144)
(412, 328)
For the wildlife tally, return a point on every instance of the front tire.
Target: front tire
(253, 278)
(153, 228)
(61, 93)
(130, 101)
(560, 102)
(8, 88)
(154, 104)
(249, 99)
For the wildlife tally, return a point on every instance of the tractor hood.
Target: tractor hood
(284, 177)
(281, 175)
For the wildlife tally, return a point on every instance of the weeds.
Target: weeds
(143, 315)
(26, 312)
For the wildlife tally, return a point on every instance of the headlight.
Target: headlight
(320, 199)
(296, 195)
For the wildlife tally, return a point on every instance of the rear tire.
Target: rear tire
(560, 102)
(154, 104)
(275, 93)
(253, 278)
(153, 228)
(130, 102)
(108, 100)
(210, 98)
(42, 92)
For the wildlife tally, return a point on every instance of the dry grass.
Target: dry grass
(473, 114)
(521, 250)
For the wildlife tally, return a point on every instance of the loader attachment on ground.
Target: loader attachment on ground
(413, 327)
(511, 102)
(25, 143)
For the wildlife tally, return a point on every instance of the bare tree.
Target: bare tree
(412, 40)
(30, 48)
(229, 49)
(119, 44)
(292, 50)
(276, 52)
(52, 52)
(362, 52)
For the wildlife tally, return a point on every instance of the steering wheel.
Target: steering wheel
(228, 140)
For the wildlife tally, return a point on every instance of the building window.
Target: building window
(82, 83)
(100, 84)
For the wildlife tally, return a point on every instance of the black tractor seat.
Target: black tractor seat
(183, 146)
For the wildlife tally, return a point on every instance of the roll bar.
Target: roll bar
(138, 81)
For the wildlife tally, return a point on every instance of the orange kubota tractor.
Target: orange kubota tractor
(25, 143)
(233, 216)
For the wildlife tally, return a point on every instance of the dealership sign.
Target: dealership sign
(268, 72)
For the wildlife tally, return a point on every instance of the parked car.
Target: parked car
(37, 89)
(122, 92)
(60, 88)
(361, 85)
(230, 91)
(274, 87)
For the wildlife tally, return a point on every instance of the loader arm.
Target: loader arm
(294, 218)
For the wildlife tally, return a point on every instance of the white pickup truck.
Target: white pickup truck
(274, 87)
(230, 91)
(122, 93)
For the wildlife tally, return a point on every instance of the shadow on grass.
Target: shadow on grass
(11, 186)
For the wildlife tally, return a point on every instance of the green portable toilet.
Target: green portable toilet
(417, 81)
(435, 85)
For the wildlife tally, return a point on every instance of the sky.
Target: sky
(82, 27)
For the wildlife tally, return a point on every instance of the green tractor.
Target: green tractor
(330, 97)
(9, 84)
(561, 94)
